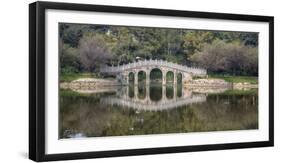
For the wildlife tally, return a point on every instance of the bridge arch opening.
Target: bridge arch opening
(141, 92)
(131, 77)
(170, 77)
(155, 93)
(179, 78)
(179, 90)
(141, 77)
(131, 91)
(170, 91)
(156, 75)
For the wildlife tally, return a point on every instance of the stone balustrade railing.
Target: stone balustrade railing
(160, 63)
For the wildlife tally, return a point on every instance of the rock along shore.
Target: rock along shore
(89, 83)
(213, 83)
(218, 83)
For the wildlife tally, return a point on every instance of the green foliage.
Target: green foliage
(84, 48)
(195, 40)
(70, 34)
(131, 77)
(69, 62)
(141, 76)
(156, 75)
(179, 78)
(232, 92)
(93, 51)
(237, 79)
(170, 76)
(67, 77)
(228, 58)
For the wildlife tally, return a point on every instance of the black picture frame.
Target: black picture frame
(37, 88)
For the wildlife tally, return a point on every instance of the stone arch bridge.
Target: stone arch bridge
(122, 71)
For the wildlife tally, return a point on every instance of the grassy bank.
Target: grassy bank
(74, 76)
(237, 79)
(240, 92)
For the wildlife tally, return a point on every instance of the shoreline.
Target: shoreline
(103, 84)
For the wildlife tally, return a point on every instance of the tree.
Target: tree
(68, 56)
(231, 58)
(194, 40)
(71, 34)
(93, 52)
(249, 39)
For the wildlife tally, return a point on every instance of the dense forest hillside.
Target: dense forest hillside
(84, 48)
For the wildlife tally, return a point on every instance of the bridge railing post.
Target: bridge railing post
(147, 78)
(164, 94)
(175, 77)
(136, 91)
(136, 78)
(164, 77)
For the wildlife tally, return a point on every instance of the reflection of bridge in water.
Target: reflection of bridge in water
(153, 98)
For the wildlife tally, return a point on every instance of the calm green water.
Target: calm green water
(155, 110)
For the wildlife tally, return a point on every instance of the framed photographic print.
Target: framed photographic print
(118, 81)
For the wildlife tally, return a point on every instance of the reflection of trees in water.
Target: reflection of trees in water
(86, 115)
(155, 93)
(232, 112)
(170, 92)
(76, 115)
(179, 90)
(131, 91)
(141, 91)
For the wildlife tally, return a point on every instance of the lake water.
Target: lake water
(155, 109)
